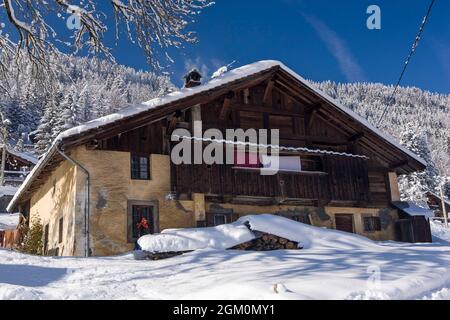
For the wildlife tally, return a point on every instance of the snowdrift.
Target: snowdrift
(178, 240)
(245, 229)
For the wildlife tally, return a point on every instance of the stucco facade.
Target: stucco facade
(57, 199)
(112, 190)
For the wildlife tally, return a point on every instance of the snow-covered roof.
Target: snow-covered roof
(7, 190)
(221, 80)
(9, 221)
(23, 155)
(412, 209)
(226, 78)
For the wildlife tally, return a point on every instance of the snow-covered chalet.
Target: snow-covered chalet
(98, 180)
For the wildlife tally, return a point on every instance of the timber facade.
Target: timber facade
(347, 180)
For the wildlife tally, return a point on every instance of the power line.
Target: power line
(411, 53)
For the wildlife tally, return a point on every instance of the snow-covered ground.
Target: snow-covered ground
(333, 265)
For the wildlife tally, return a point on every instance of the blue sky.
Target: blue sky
(320, 39)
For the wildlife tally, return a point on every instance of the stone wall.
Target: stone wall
(112, 188)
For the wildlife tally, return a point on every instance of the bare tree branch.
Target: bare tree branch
(154, 25)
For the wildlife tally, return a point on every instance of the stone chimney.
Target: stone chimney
(192, 79)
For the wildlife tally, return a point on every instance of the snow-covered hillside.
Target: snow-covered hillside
(335, 265)
(78, 90)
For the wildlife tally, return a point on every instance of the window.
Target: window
(142, 219)
(303, 163)
(372, 224)
(301, 218)
(285, 163)
(220, 219)
(140, 167)
(60, 230)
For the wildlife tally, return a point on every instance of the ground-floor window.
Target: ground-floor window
(142, 219)
(218, 218)
(372, 224)
(344, 222)
(301, 218)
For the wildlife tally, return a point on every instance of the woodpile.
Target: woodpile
(267, 242)
(145, 255)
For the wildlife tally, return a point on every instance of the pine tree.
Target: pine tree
(33, 243)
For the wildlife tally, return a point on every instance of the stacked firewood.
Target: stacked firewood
(267, 242)
(145, 255)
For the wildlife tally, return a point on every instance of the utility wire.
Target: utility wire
(411, 53)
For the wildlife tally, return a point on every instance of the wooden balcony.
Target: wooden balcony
(339, 182)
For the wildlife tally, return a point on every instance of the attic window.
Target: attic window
(140, 167)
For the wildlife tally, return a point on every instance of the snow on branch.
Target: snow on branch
(154, 25)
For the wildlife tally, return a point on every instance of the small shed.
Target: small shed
(8, 229)
(413, 225)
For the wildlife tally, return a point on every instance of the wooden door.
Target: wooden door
(46, 230)
(344, 222)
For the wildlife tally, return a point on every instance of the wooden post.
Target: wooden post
(197, 132)
(2, 169)
(444, 209)
(4, 135)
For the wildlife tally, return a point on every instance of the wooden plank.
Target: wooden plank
(267, 100)
(226, 105)
(263, 109)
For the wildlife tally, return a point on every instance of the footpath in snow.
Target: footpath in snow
(332, 265)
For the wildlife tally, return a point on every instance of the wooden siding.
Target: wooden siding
(342, 181)
(143, 140)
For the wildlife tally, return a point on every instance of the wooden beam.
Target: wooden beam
(315, 140)
(246, 96)
(268, 93)
(311, 118)
(313, 107)
(290, 95)
(356, 137)
(399, 164)
(262, 109)
(172, 125)
(226, 105)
